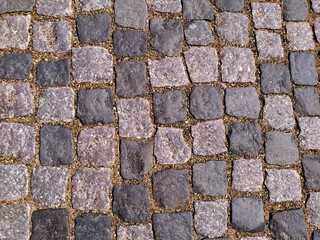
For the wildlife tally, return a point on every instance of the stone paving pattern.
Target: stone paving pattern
(159, 119)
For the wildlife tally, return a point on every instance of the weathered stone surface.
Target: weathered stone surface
(95, 106)
(15, 66)
(303, 68)
(295, 10)
(299, 36)
(14, 31)
(266, 15)
(283, 185)
(167, 36)
(130, 13)
(311, 171)
(92, 5)
(312, 208)
(55, 8)
(209, 138)
(134, 118)
(90, 189)
(247, 175)
(171, 188)
(141, 232)
(255, 238)
(171, 6)
(130, 43)
(210, 178)
(57, 105)
(93, 27)
(247, 215)
(16, 6)
(92, 64)
(309, 133)
(211, 218)
(197, 9)
(306, 101)
(269, 45)
(317, 27)
(48, 186)
(202, 64)
(56, 145)
(52, 37)
(315, 4)
(53, 73)
(230, 5)
(130, 202)
(316, 235)
(198, 33)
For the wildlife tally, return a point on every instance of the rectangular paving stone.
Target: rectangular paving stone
(306, 101)
(92, 5)
(311, 171)
(309, 136)
(171, 6)
(315, 4)
(53, 73)
(142, 232)
(312, 208)
(197, 9)
(266, 15)
(295, 10)
(269, 45)
(299, 36)
(16, 6)
(198, 33)
(230, 5)
(57, 8)
(15, 66)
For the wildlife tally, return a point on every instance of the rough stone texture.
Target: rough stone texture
(92, 5)
(197, 9)
(48, 186)
(95, 106)
(202, 64)
(299, 36)
(211, 218)
(269, 45)
(52, 37)
(295, 10)
(93, 28)
(90, 189)
(171, 6)
(288, 225)
(130, 13)
(16, 6)
(130, 43)
(57, 105)
(131, 79)
(247, 175)
(209, 138)
(306, 101)
(14, 222)
(315, 6)
(230, 5)
(247, 214)
(96, 146)
(13, 182)
(281, 148)
(244, 138)
(53, 73)
(172, 225)
(55, 8)
(130, 202)
(136, 159)
(169, 107)
(92, 64)
(206, 102)
(14, 31)
(232, 27)
(167, 72)
(171, 188)
(317, 27)
(266, 15)
(278, 112)
(93, 226)
(16, 100)
(17, 141)
(255, 238)
(237, 65)
(309, 133)
(316, 233)
(141, 232)
(198, 33)
(210, 178)
(311, 171)
(275, 78)
(283, 185)
(312, 208)
(134, 118)
(15, 66)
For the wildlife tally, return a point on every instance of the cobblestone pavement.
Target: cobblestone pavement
(159, 119)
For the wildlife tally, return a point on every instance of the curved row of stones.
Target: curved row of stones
(138, 117)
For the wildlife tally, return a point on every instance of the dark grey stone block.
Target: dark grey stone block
(295, 10)
(197, 9)
(53, 73)
(198, 33)
(303, 68)
(306, 101)
(15, 66)
(311, 171)
(230, 5)
(16, 6)
(316, 235)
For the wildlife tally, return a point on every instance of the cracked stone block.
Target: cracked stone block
(166, 36)
(57, 8)
(237, 65)
(311, 171)
(275, 78)
(134, 118)
(93, 27)
(13, 182)
(14, 222)
(266, 15)
(315, 4)
(48, 186)
(269, 45)
(232, 27)
(309, 133)
(53, 37)
(14, 32)
(16, 6)
(312, 208)
(247, 175)
(306, 101)
(95, 106)
(278, 112)
(169, 107)
(130, 13)
(50, 224)
(202, 64)
(56, 105)
(167, 72)
(93, 226)
(299, 36)
(171, 6)
(136, 159)
(171, 188)
(288, 225)
(92, 64)
(131, 79)
(230, 5)
(142, 232)
(131, 203)
(242, 102)
(211, 218)
(53, 73)
(198, 33)
(317, 27)
(303, 68)
(316, 233)
(92, 5)
(130, 43)
(197, 9)
(90, 189)
(15, 66)
(247, 215)
(295, 10)
(209, 138)
(172, 225)
(210, 178)
(16, 100)
(283, 185)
